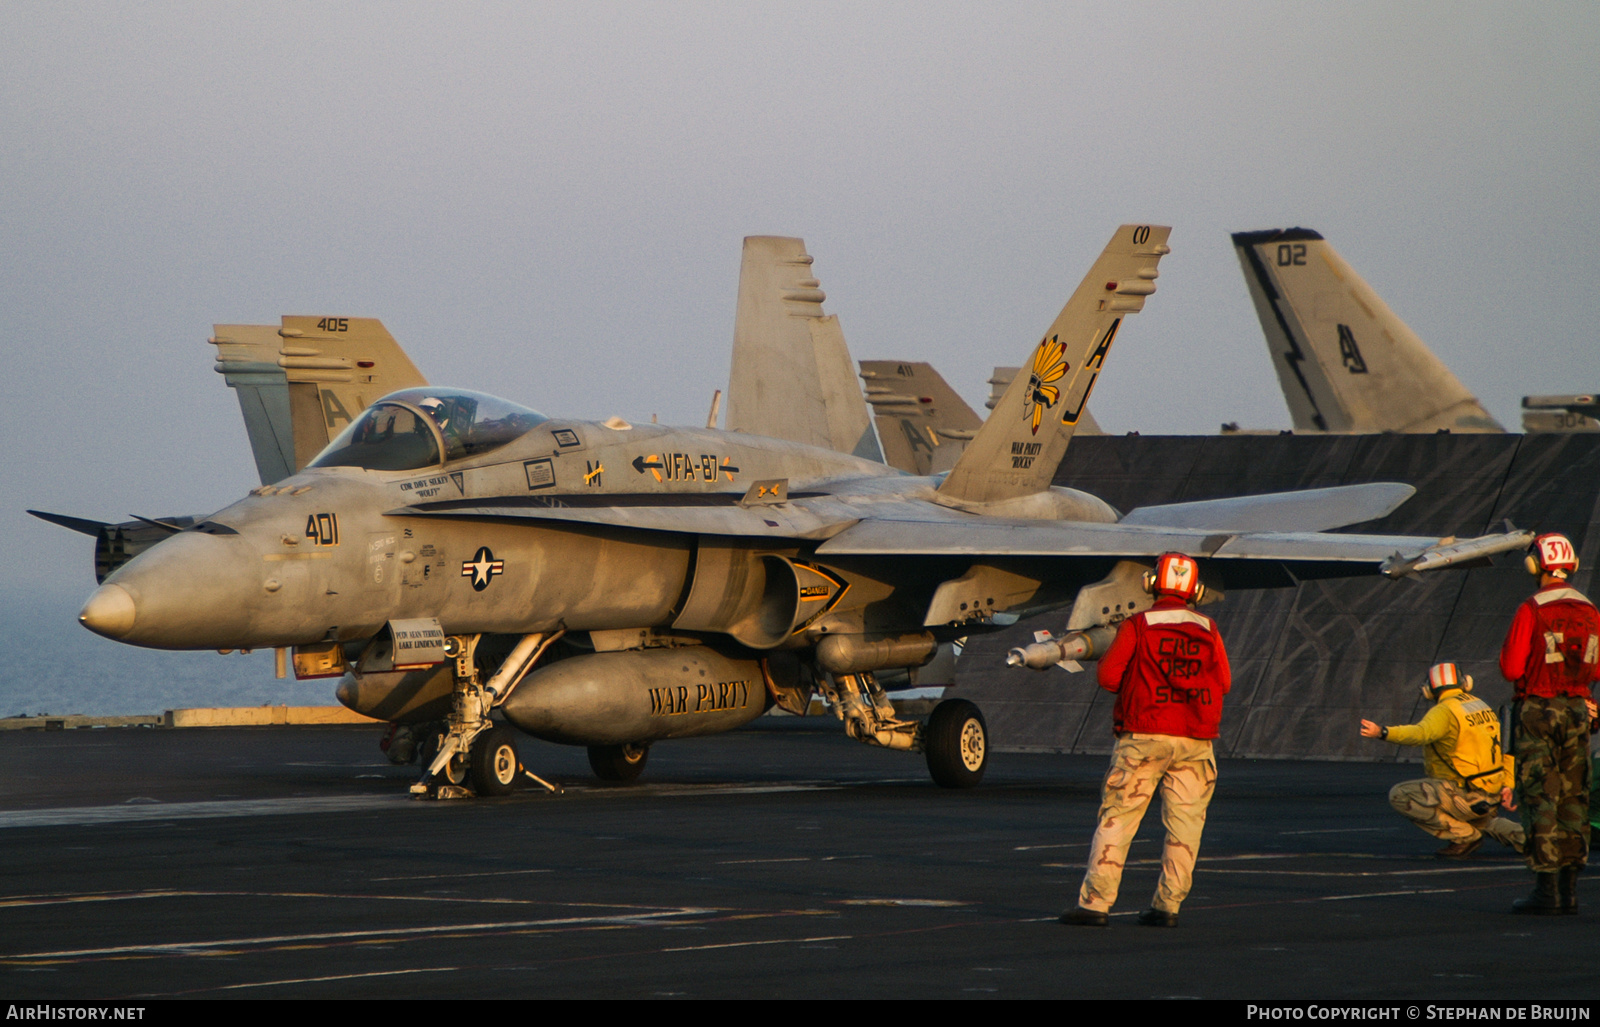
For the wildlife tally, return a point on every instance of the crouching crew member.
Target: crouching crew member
(1469, 775)
(1170, 671)
(1552, 654)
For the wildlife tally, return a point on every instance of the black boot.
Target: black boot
(1567, 888)
(1544, 900)
(1077, 916)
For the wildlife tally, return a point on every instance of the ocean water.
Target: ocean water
(61, 668)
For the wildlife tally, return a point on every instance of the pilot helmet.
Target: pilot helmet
(1175, 575)
(1442, 677)
(1552, 554)
(435, 408)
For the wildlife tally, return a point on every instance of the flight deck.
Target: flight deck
(781, 860)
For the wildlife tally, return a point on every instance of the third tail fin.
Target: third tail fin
(1345, 361)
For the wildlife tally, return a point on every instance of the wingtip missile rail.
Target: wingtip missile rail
(1450, 552)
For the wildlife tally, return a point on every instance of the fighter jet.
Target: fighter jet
(611, 585)
(1345, 361)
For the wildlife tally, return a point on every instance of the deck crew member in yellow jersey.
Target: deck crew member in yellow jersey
(1469, 774)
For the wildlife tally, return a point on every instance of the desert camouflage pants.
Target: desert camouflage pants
(1185, 772)
(1553, 780)
(1446, 810)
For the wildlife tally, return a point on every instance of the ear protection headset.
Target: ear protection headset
(1442, 677)
(1552, 554)
(1175, 574)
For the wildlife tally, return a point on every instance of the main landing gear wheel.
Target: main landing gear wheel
(618, 762)
(956, 742)
(494, 762)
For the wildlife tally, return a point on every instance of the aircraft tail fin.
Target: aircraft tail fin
(922, 424)
(1018, 449)
(1345, 361)
(247, 359)
(1000, 380)
(791, 376)
(299, 384)
(334, 367)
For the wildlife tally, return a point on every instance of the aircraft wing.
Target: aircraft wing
(1216, 530)
(1395, 555)
(1306, 510)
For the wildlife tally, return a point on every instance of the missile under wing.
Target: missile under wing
(613, 585)
(1345, 361)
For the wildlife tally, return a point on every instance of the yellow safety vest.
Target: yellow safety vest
(1476, 757)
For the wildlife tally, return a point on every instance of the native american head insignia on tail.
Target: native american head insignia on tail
(1048, 366)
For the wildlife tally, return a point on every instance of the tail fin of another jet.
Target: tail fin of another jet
(1345, 361)
(301, 383)
(1018, 449)
(922, 424)
(247, 358)
(791, 376)
(334, 368)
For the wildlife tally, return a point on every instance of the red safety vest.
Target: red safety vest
(1553, 647)
(1170, 672)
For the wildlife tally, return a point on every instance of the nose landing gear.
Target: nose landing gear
(472, 755)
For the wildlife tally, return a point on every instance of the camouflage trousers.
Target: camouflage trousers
(1447, 810)
(1185, 772)
(1553, 780)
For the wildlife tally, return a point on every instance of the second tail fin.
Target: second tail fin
(791, 376)
(1018, 449)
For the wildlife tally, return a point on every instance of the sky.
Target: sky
(546, 202)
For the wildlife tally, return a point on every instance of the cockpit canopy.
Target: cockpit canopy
(407, 430)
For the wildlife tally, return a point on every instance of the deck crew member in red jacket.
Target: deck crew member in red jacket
(1170, 671)
(1552, 654)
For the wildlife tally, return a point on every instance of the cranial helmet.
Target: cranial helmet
(1176, 575)
(1444, 676)
(1552, 554)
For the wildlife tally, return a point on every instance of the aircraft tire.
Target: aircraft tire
(956, 743)
(618, 762)
(495, 765)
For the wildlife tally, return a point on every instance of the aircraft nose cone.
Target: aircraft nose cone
(109, 612)
(189, 591)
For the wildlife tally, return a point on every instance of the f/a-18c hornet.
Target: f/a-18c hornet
(611, 585)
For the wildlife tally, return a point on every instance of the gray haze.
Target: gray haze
(547, 202)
